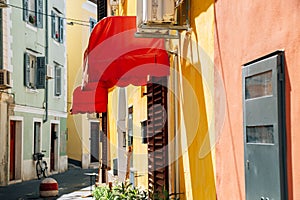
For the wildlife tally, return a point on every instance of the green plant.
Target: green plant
(119, 192)
(163, 195)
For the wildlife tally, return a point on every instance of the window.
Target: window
(259, 85)
(34, 71)
(37, 137)
(144, 131)
(93, 23)
(130, 126)
(57, 24)
(260, 134)
(33, 12)
(57, 83)
(124, 139)
(115, 167)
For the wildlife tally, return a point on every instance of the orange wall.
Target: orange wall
(244, 31)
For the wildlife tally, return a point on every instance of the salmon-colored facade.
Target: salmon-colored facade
(245, 31)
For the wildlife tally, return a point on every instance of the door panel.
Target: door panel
(94, 142)
(12, 159)
(264, 135)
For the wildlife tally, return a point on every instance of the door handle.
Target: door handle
(248, 164)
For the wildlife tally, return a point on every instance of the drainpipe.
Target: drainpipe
(46, 62)
(177, 181)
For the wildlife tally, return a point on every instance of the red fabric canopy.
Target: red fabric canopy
(92, 99)
(114, 57)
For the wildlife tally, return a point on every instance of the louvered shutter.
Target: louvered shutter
(61, 30)
(26, 70)
(40, 73)
(102, 9)
(53, 24)
(57, 81)
(25, 10)
(39, 13)
(157, 134)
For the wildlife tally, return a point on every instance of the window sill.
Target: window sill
(57, 97)
(32, 27)
(31, 90)
(56, 42)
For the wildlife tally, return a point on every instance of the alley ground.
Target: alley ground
(73, 184)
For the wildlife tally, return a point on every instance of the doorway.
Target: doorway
(54, 147)
(94, 141)
(15, 150)
(264, 128)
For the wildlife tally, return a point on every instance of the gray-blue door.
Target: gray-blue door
(95, 141)
(264, 128)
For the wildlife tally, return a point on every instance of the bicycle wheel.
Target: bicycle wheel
(45, 169)
(38, 169)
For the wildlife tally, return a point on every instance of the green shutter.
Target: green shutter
(39, 13)
(40, 73)
(25, 10)
(57, 81)
(26, 70)
(53, 24)
(61, 30)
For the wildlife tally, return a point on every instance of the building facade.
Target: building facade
(36, 60)
(255, 40)
(227, 113)
(83, 129)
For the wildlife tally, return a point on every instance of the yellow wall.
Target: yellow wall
(196, 107)
(195, 103)
(140, 158)
(77, 40)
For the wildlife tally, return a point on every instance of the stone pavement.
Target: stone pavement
(72, 184)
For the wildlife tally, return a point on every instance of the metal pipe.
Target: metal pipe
(46, 62)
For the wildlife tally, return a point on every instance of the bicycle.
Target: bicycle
(41, 165)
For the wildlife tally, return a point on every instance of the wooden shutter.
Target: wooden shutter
(39, 13)
(25, 10)
(40, 72)
(57, 81)
(102, 9)
(61, 30)
(157, 133)
(53, 24)
(26, 70)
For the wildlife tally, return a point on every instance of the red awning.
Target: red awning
(114, 57)
(92, 99)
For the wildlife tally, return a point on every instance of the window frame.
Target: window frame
(33, 14)
(34, 71)
(57, 26)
